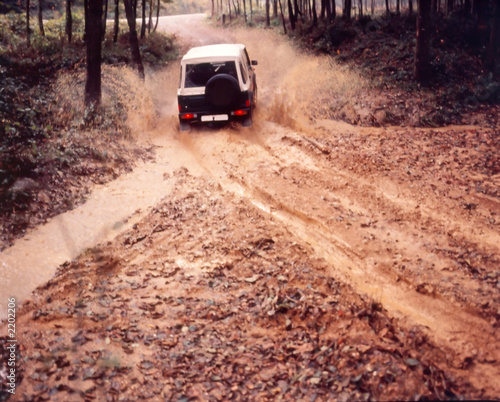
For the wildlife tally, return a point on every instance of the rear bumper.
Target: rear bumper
(195, 109)
(214, 116)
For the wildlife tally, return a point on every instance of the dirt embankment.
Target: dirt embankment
(303, 258)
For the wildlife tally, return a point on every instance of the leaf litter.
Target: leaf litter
(201, 317)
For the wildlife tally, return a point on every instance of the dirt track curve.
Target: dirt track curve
(405, 218)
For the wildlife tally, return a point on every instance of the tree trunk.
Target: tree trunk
(410, 7)
(275, 9)
(291, 15)
(494, 38)
(373, 8)
(296, 10)
(334, 10)
(398, 7)
(143, 19)
(449, 7)
(421, 71)
(467, 7)
(434, 6)
(268, 21)
(314, 13)
(482, 21)
(157, 15)
(347, 9)
(134, 41)
(150, 19)
(93, 35)
(361, 8)
(40, 17)
(387, 10)
(28, 31)
(282, 16)
(69, 21)
(104, 18)
(117, 21)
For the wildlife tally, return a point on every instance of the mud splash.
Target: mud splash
(126, 102)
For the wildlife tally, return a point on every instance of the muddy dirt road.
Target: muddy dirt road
(302, 257)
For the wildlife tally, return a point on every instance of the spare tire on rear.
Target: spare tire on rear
(222, 90)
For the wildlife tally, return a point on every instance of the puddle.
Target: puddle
(110, 210)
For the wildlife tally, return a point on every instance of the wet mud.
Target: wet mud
(301, 258)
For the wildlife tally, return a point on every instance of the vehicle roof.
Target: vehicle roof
(213, 52)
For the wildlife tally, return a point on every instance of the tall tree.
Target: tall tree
(282, 16)
(143, 19)
(93, 39)
(347, 9)
(449, 7)
(104, 18)
(69, 21)
(134, 41)
(268, 20)
(410, 7)
(482, 15)
(150, 21)
(387, 10)
(291, 15)
(157, 15)
(28, 30)
(421, 70)
(434, 6)
(40, 17)
(467, 6)
(494, 39)
(117, 21)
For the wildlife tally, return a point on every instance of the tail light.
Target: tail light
(240, 113)
(187, 116)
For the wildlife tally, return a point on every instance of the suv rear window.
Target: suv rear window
(197, 75)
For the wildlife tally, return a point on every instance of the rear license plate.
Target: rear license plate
(215, 117)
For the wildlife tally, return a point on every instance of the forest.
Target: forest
(345, 247)
(450, 47)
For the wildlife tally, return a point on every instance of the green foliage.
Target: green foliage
(36, 127)
(158, 48)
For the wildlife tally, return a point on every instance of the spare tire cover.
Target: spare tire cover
(222, 90)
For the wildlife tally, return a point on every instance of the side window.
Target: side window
(180, 79)
(247, 59)
(243, 73)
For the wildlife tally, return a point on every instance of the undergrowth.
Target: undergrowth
(42, 135)
(382, 49)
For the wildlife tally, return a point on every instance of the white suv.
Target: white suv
(217, 84)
